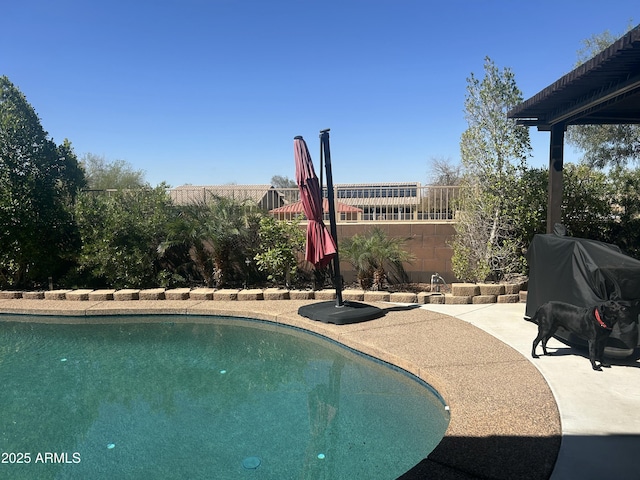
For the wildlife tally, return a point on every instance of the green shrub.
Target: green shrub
(280, 244)
(121, 233)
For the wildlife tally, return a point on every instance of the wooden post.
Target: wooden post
(556, 162)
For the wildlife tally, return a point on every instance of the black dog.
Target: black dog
(593, 324)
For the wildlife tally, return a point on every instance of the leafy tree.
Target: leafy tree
(71, 176)
(494, 151)
(604, 145)
(587, 201)
(529, 213)
(280, 244)
(279, 181)
(104, 175)
(626, 192)
(121, 234)
(443, 171)
(38, 182)
(373, 255)
(596, 205)
(603, 206)
(624, 220)
(289, 187)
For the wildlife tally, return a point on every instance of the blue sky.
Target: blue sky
(213, 91)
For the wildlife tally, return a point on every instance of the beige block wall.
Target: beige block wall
(428, 242)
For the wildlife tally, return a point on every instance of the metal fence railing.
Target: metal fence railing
(353, 202)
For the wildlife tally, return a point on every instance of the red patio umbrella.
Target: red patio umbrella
(321, 247)
(323, 243)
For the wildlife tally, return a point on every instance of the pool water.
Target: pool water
(213, 398)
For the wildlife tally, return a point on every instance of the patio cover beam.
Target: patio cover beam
(603, 90)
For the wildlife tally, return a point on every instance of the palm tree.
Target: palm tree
(354, 251)
(372, 255)
(232, 227)
(220, 235)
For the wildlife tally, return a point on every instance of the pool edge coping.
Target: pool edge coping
(452, 458)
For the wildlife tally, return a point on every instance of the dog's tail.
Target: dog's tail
(533, 319)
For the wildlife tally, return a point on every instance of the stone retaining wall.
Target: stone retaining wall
(461, 293)
(479, 293)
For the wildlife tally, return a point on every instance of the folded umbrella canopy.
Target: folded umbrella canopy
(321, 247)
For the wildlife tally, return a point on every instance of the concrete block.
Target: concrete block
(403, 297)
(301, 294)
(327, 294)
(201, 294)
(457, 299)
(152, 294)
(177, 294)
(512, 288)
(126, 294)
(101, 295)
(482, 299)
(465, 289)
(509, 298)
(437, 299)
(353, 295)
(377, 296)
(491, 289)
(6, 295)
(423, 297)
(78, 295)
(56, 294)
(33, 295)
(276, 294)
(250, 294)
(523, 296)
(226, 294)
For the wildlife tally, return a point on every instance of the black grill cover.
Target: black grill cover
(583, 273)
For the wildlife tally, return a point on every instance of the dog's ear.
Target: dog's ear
(604, 307)
(602, 310)
(612, 309)
(611, 305)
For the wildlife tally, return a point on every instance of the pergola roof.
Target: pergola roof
(603, 90)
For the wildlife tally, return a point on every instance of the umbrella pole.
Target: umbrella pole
(321, 172)
(326, 153)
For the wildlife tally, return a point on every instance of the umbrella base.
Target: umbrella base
(349, 312)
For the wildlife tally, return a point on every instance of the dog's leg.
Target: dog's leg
(550, 333)
(535, 319)
(542, 335)
(533, 349)
(535, 343)
(544, 343)
(600, 344)
(592, 355)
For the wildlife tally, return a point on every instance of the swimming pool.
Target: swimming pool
(169, 397)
